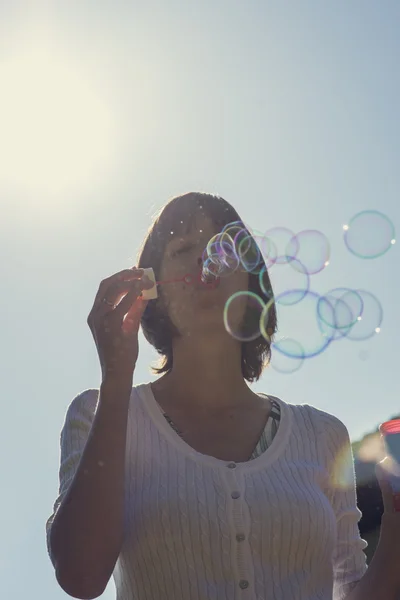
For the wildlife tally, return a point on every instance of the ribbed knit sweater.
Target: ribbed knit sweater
(282, 526)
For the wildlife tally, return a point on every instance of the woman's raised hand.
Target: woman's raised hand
(115, 318)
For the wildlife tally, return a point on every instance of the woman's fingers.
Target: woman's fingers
(112, 288)
(132, 318)
(134, 293)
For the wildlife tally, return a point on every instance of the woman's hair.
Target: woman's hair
(178, 217)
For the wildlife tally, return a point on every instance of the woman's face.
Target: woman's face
(194, 306)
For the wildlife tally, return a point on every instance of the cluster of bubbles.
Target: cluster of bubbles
(291, 261)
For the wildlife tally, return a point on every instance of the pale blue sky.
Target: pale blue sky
(288, 109)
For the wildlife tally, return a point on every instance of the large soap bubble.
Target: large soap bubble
(279, 239)
(298, 321)
(290, 276)
(371, 319)
(369, 234)
(282, 359)
(312, 250)
(340, 309)
(247, 329)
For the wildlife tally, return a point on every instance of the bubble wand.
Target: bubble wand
(152, 293)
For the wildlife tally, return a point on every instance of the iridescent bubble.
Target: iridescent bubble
(279, 238)
(248, 328)
(219, 256)
(311, 248)
(267, 248)
(291, 276)
(233, 228)
(213, 266)
(371, 319)
(250, 254)
(218, 243)
(281, 356)
(298, 321)
(230, 257)
(340, 309)
(369, 234)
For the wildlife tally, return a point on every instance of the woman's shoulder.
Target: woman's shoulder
(321, 420)
(324, 422)
(84, 404)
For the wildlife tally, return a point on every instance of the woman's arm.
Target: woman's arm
(87, 531)
(381, 581)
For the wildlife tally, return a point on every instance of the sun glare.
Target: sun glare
(58, 132)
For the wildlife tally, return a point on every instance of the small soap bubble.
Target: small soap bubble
(247, 328)
(369, 234)
(213, 266)
(221, 250)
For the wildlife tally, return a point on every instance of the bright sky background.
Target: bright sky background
(288, 109)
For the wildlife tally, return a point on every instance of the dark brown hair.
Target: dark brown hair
(176, 217)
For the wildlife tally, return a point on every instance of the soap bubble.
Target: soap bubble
(213, 266)
(279, 239)
(371, 319)
(247, 329)
(298, 321)
(291, 276)
(249, 253)
(312, 250)
(340, 309)
(282, 356)
(369, 234)
(219, 257)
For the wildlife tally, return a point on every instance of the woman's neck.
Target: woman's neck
(210, 378)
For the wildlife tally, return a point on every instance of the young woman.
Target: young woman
(194, 487)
